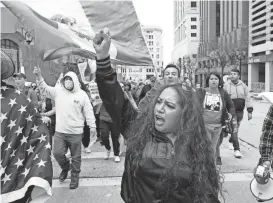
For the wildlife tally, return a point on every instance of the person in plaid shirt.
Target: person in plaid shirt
(266, 140)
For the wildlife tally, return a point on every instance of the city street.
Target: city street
(101, 179)
(68, 67)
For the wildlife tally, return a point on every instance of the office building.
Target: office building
(186, 30)
(260, 67)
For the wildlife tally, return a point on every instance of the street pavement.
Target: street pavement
(100, 179)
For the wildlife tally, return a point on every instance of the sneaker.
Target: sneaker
(87, 150)
(218, 161)
(117, 159)
(231, 146)
(107, 154)
(63, 175)
(237, 154)
(74, 181)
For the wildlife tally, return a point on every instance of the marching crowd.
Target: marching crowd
(173, 130)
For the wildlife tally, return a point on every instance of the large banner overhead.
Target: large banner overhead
(54, 39)
(121, 19)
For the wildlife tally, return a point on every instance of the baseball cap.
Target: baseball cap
(20, 75)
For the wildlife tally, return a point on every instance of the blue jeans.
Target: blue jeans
(61, 144)
(234, 139)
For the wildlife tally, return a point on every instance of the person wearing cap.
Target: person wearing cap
(20, 80)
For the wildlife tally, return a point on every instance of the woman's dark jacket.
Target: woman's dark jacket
(228, 106)
(158, 153)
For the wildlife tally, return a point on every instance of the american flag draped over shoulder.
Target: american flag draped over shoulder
(25, 147)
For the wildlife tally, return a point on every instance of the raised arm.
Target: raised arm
(118, 107)
(45, 89)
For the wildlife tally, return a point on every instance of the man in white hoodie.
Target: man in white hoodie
(73, 107)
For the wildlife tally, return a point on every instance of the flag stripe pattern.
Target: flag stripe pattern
(25, 147)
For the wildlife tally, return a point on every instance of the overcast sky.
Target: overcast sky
(150, 12)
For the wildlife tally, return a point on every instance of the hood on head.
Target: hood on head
(74, 77)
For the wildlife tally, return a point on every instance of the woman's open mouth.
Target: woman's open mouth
(159, 120)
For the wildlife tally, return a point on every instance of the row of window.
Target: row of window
(151, 43)
(152, 49)
(157, 56)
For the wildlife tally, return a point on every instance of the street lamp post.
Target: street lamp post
(240, 55)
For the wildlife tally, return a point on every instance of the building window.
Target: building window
(151, 37)
(151, 49)
(193, 4)
(157, 56)
(193, 27)
(152, 56)
(193, 34)
(157, 50)
(158, 63)
(151, 43)
(193, 19)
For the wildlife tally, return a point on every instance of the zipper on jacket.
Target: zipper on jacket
(173, 148)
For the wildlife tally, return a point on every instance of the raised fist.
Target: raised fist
(101, 43)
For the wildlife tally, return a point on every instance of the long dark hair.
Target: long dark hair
(192, 143)
(217, 75)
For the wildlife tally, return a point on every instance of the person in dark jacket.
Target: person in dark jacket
(147, 88)
(107, 126)
(136, 92)
(216, 105)
(169, 157)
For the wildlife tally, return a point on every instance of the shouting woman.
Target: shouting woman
(169, 157)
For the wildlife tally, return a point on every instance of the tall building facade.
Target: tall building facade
(223, 27)
(186, 30)
(209, 33)
(260, 67)
(153, 38)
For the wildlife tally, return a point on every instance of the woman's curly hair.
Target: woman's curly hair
(205, 183)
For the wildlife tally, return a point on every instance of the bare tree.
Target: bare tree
(189, 65)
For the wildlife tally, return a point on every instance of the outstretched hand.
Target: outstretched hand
(101, 43)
